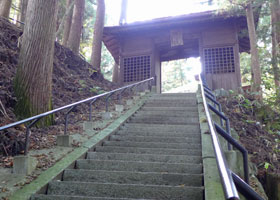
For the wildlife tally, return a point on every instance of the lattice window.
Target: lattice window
(136, 68)
(219, 60)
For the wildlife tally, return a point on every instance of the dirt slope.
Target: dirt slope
(73, 80)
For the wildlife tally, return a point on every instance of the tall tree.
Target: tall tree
(255, 63)
(255, 68)
(97, 35)
(5, 6)
(275, 36)
(23, 9)
(76, 26)
(121, 22)
(123, 12)
(67, 22)
(34, 74)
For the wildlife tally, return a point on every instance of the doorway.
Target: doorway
(178, 76)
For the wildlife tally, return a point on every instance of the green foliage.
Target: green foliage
(107, 63)
(267, 165)
(174, 74)
(97, 90)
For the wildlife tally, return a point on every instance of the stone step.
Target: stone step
(124, 191)
(170, 104)
(144, 178)
(156, 139)
(180, 101)
(145, 157)
(167, 113)
(161, 127)
(153, 145)
(158, 134)
(165, 151)
(113, 165)
(64, 197)
(173, 109)
(162, 95)
(164, 120)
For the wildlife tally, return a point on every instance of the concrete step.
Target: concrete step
(162, 95)
(64, 197)
(156, 139)
(165, 151)
(144, 178)
(160, 113)
(153, 145)
(113, 165)
(170, 104)
(173, 109)
(159, 128)
(145, 157)
(124, 191)
(181, 101)
(164, 120)
(132, 133)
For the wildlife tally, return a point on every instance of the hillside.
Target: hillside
(73, 80)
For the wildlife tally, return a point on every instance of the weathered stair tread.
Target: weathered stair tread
(64, 197)
(124, 191)
(195, 139)
(178, 101)
(124, 177)
(167, 112)
(157, 134)
(139, 166)
(153, 145)
(170, 108)
(167, 103)
(161, 127)
(164, 120)
(145, 157)
(165, 151)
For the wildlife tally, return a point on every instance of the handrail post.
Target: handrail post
(228, 131)
(66, 119)
(27, 135)
(120, 96)
(107, 101)
(90, 109)
(244, 152)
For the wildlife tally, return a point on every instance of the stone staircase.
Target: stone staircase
(156, 155)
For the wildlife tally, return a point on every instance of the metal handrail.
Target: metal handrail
(227, 175)
(33, 120)
(229, 188)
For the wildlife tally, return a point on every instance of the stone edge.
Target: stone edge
(213, 189)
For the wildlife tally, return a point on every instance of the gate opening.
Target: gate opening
(178, 76)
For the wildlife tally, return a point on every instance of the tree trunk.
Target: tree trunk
(76, 27)
(123, 12)
(275, 32)
(34, 74)
(5, 6)
(115, 78)
(23, 9)
(122, 22)
(97, 35)
(67, 22)
(255, 68)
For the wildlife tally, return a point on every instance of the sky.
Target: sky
(139, 10)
